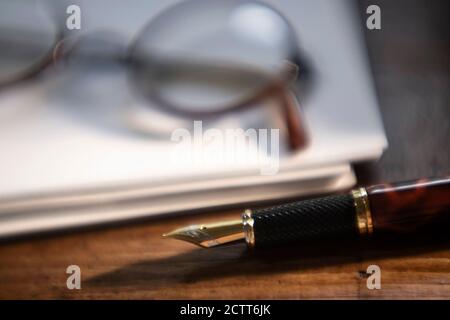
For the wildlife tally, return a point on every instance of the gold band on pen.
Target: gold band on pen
(247, 223)
(363, 215)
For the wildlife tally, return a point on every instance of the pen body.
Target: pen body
(386, 208)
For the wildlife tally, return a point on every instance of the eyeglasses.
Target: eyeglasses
(199, 59)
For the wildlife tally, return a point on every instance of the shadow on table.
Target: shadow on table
(208, 264)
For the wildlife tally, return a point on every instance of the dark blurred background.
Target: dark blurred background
(410, 61)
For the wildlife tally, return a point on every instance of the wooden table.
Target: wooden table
(410, 61)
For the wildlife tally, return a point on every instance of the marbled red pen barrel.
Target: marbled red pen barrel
(407, 206)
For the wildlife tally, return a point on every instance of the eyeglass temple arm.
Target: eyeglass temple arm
(297, 133)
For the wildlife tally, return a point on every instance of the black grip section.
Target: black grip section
(305, 221)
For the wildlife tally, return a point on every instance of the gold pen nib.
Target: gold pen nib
(210, 235)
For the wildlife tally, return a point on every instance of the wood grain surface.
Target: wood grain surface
(410, 61)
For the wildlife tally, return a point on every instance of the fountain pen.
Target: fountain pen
(395, 208)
